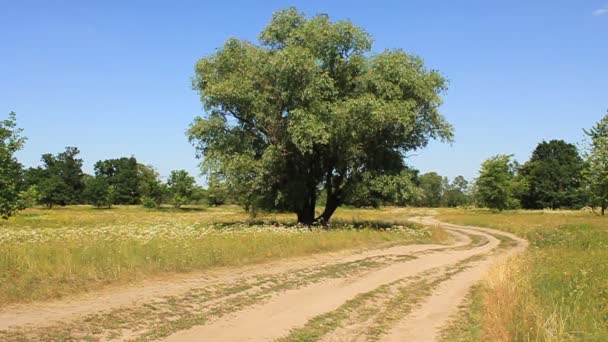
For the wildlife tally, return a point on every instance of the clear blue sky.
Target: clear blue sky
(113, 77)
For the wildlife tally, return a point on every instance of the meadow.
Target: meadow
(47, 254)
(556, 291)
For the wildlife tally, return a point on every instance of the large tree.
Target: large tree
(553, 175)
(309, 110)
(11, 141)
(596, 171)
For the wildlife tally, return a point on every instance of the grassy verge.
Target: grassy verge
(48, 254)
(557, 290)
(154, 320)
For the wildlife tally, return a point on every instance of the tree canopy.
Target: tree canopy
(432, 186)
(496, 186)
(99, 192)
(553, 176)
(309, 110)
(60, 180)
(181, 185)
(124, 175)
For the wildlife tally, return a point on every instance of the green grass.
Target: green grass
(557, 290)
(47, 254)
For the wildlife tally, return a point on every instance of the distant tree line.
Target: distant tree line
(60, 180)
(556, 176)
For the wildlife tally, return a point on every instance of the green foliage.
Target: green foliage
(60, 180)
(124, 175)
(217, 194)
(11, 141)
(553, 175)
(375, 190)
(181, 186)
(310, 110)
(148, 202)
(100, 192)
(496, 187)
(28, 198)
(150, 187)
(432, 187)
(199, 195)
(456, 194)
(596, 171)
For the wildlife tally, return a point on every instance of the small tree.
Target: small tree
(496, 185)
(28, 198)
(596, 171)
(10, 169)
(99, 192)
(181, 185)
(151, 188)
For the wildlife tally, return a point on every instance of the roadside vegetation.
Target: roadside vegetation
(556, 291)
(47, 254)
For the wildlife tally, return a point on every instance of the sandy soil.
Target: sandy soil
(286, 306)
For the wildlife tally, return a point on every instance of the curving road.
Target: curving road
(403, 293)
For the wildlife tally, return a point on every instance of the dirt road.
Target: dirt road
(403, 293)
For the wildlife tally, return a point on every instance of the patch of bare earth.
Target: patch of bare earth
(397, 293)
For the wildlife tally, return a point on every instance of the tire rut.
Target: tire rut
(294, 308)
(262, 302)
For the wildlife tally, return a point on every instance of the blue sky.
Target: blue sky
(113, 77)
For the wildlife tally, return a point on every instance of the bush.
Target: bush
(28, 198)
(149, 202)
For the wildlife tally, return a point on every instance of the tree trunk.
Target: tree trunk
(306, 215)
(603, 209)
(331, 205)
(306, 210)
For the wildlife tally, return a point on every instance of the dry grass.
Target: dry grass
(557, 290)
(52, 253)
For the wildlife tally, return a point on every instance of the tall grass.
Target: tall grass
(52, 253)
(557, 290)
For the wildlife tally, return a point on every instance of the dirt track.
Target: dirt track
(404, 293)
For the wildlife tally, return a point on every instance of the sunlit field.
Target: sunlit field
(46, 254)
(556, 291)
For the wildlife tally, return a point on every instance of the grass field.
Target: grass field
(46, 254)
(556, 291)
